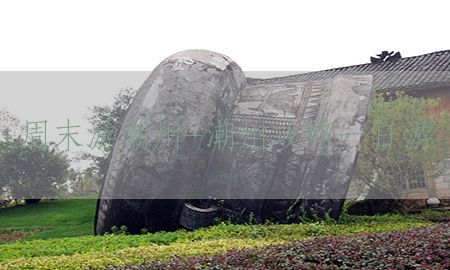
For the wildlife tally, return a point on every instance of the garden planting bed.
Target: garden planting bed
(418, 248)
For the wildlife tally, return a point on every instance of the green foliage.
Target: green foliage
(83, 183)
(266, 233)
(328, 219)
(132, 255)
(31, 170)
(106, 122)
(47, 223)
(435, 215)
(420, 248)
(251, 219)
(122, 230)
(10, 126)
(401, 139)
(290, 213)
(145, 231)
(372, 207)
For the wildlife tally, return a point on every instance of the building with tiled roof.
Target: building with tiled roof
(409, 73)
(426, 75)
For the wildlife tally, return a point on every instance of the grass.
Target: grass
(53, 219)
(10, 235)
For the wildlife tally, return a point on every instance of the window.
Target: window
(416, 178)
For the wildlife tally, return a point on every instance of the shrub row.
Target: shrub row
(435, 215)
(424, 248)
(133, 256)
(99, 252)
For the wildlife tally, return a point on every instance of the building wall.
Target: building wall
(439, 187)
(442, 183)
(442, 92)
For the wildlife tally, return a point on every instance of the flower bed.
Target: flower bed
(421, 248)
(100, 252)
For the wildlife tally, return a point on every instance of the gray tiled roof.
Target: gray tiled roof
(404, 74)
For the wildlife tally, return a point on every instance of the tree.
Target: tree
(10, 126)
(401, 140)
(106, 122)
(31, 170)
(83, 183)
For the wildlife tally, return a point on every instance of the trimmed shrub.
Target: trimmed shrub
(424, 248)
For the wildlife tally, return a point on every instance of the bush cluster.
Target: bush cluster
(436, 215)
(422, 248)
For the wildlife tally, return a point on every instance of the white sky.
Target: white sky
(259, 35)
(136, 35)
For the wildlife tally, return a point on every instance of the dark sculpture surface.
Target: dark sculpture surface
(263, 165)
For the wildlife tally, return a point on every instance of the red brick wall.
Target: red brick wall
(442, 92)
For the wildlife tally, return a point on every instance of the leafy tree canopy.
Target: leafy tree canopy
(402, 140)
(31, 170)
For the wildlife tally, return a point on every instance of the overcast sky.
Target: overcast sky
(259, 35)
(136, 35)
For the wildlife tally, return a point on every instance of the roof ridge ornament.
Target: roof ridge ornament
(385, 56)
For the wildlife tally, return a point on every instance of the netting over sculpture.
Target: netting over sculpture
(199, 142)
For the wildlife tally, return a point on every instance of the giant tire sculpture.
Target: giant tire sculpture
(187, 173)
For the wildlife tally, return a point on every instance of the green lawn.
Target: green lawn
(53, 219)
